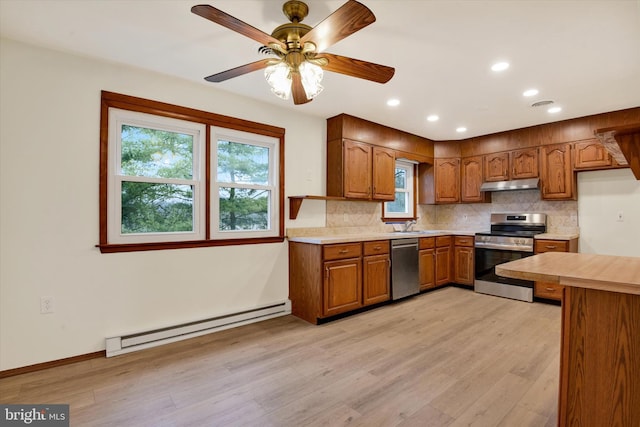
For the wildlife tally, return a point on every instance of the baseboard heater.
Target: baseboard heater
(138, 341)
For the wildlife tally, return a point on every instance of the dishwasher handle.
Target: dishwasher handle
(408, 245)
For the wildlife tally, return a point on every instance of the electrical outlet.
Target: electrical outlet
(46, 305)
(620, 217)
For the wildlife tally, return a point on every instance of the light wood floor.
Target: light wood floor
(446, 358)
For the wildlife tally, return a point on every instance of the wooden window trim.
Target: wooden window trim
(131, 103)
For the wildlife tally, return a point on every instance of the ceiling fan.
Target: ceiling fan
(297, 68)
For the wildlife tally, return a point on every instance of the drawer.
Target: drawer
(463, 241)
(427, 242)
(342, 251)
(443, 241)
(551, 246)
(548, 290)
(377, 247)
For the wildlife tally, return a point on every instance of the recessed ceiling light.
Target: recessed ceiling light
(393, 102)
(433, 118)
(530, 92)
(500, 66)
(461, 129)
(553, 110)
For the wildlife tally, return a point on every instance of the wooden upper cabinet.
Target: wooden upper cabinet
(558, 179)
(384, 172)
(496, 167)
(447, 180)
(524, 163)
(358, 170)
(471, 180)
(591, 155)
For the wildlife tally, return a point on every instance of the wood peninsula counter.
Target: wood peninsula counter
(600, 349)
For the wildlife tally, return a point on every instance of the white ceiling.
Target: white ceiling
(584, 55)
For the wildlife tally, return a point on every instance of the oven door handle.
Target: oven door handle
(503, 247)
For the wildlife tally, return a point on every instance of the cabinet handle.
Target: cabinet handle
(376, 248)
(343, 251)
(551, 246)
(550, 289)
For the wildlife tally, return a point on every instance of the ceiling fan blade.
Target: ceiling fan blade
(357, 68)
(226, 20)
(349, 18)
(297, 90)
(238, 71)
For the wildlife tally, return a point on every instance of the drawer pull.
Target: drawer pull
(343, 251)
(376, 248)
(550, 289)
(551, 246)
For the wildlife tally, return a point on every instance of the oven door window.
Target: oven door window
(487, 259)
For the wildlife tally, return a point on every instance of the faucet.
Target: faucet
(409, 224)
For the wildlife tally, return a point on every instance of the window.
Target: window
(156, 178)
(403, 207)
(245, 184)
(173, 177)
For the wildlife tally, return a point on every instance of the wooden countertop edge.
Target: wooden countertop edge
(526, 269)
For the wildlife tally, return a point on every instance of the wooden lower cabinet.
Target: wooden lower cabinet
(326, 280)
(342, 286)
(463, 260)
(547, 290)
(444, 260)
(427, 263)
(376, 286)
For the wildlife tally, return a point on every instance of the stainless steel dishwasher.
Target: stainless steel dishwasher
(405, 280)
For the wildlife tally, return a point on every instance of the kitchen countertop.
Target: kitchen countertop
(363, 237)
(557, 236)
(591, 271)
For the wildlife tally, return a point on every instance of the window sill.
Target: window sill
(157, 246)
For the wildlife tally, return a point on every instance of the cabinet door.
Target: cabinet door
(357, 170)
(447, 180)
(376, 282)
(591, 155)
(524, 163)
(342, 286)
(558, 180)
(427, 263)
(443, 265)
(471, 177)
(549, 290)
(496, 167)
(384, 174)
(463, 265)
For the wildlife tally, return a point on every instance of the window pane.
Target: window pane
(156, 208)
(399, 205)
(156, 153)
(243, 163)
(244, 209)
(401, 178)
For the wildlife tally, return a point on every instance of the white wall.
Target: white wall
(49, 140)
(602, 195)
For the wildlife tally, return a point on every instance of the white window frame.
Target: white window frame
(409, 167)
(236, 136)
(117, 118)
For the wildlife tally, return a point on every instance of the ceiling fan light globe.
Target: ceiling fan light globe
(312, 76)
(279, 78)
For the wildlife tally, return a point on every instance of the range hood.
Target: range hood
(516, 184)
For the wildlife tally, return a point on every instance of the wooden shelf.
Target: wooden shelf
(296, 201)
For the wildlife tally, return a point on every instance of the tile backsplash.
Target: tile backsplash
(562, 216)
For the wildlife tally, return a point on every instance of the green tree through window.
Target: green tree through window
(156, 206)
(243, 172)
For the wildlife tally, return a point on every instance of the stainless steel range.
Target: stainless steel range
(511, 238)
